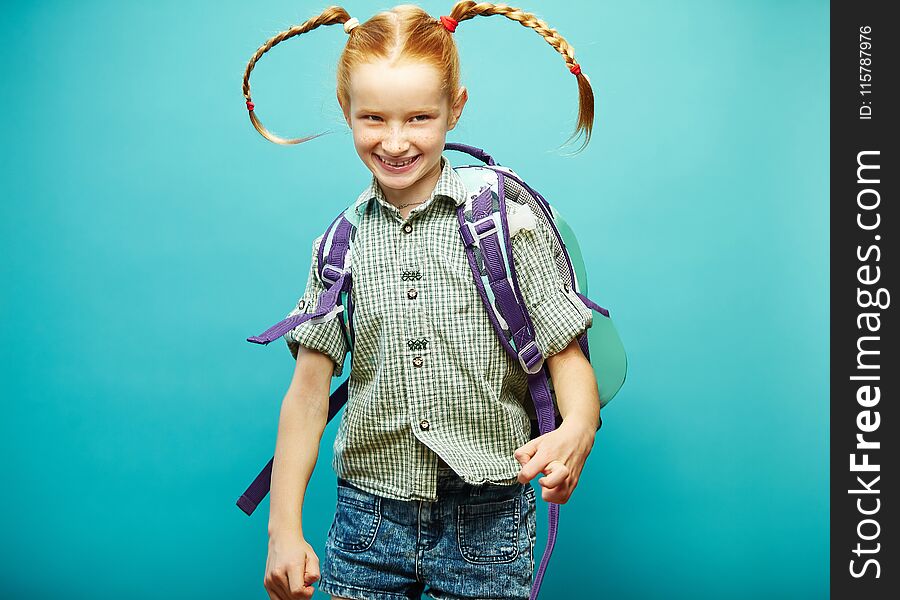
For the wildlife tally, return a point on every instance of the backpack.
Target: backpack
(485, 230)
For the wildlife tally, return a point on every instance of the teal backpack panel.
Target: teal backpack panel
(607, 351)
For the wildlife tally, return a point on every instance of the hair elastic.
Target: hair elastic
(576, 69)
(249, 105)
(350, 24)
(449, 23)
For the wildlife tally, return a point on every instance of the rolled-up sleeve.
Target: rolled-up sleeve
(327, 337)
(557, 313)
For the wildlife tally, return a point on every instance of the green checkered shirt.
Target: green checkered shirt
(430, 382)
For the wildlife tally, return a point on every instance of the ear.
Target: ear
(345, 110)
(457, 107)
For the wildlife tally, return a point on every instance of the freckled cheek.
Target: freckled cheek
(428, 140)
(365, 141)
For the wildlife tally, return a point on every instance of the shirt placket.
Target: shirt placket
(418, 354)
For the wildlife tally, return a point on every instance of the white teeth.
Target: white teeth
(397, 165)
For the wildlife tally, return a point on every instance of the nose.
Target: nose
(395, 142)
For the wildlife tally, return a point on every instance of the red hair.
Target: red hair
(407, 32)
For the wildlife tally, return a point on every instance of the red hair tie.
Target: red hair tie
(576, 70)
(249, 105)
(449, 23)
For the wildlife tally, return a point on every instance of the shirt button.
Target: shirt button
(424, 425)
(417, 361)
(407, 228)
(411, 293)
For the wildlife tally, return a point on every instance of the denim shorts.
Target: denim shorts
(475, 541)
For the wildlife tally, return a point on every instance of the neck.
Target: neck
(417, 192)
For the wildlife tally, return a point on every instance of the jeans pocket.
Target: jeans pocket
(356, 519)
(488, 532)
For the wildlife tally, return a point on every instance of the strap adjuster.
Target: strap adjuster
(483, 227)
(530, 358)
(338, 273)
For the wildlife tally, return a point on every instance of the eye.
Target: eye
(373, 118)
(420, 118)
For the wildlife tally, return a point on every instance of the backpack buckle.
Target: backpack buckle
(338, 273)
(530, 358)
(483, 227)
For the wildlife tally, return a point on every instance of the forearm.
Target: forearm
(300, 428)
(576, 387)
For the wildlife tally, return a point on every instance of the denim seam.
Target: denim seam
(373, 530)
(418, 539)
(517, 516)
(531, 533)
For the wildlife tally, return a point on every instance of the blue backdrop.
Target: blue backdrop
(148, 229)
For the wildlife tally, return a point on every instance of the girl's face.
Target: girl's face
(400, 118)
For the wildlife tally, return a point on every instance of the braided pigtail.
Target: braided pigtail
(468, 9)
(330, 16)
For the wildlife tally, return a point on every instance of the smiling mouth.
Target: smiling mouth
(397, 164)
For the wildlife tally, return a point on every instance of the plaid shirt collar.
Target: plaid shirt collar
(449, 186)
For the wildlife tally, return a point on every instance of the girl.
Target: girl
(432, 454)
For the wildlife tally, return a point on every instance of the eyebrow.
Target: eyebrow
(418, 111)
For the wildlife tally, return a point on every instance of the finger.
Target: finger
(558, 495)
(295, 577)
(524, 453)
(312, 569)
(557, 473)
(284, 589)
(534, 466)
(270, 582)
(266, 579)
(272, 595)
(277, 586)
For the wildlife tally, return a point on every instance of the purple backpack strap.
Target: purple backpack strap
(484, 228)
(471, 151)
(333, 275)
(543, 404)
(336, 277)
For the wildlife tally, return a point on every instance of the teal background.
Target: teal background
(147, 230)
